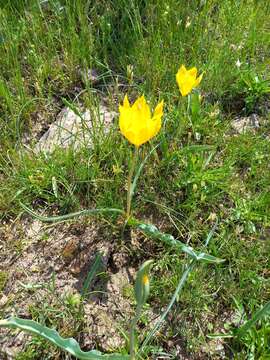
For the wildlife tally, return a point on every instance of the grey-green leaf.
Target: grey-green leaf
(86, 212)
(69, 344)
(152, 231)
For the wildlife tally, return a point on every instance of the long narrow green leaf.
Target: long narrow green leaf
(168, 239)
(220, 336)
(69, 344)
(71, 215)
(258, 316)
(72, 107)
(91, 274)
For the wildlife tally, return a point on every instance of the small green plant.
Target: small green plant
(256, 88)
(253, 88)
(255, 341)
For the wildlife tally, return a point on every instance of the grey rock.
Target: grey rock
(246, 123)
(76, 129)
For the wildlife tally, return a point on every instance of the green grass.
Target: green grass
(3, 279)
(190, 180)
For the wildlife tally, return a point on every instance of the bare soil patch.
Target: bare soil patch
(36, 258)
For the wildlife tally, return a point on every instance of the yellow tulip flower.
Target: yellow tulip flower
(187, 79)
(136, 122)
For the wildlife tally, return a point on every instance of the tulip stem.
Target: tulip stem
(189, 113)
(189, 103)
(132, 339)
(130, 176)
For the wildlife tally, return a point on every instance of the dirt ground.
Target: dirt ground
(44, 263)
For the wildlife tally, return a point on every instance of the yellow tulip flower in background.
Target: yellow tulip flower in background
(187, 79)
(136, 122)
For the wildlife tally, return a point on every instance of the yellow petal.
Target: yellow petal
(159, 109)
(139, 103)
(126, 103)
(143, 136)
(155, 127)
(155, 123)
(133, 138)
(183, 80)
(186, 86)
(124, 120)
(193, 72)
(198, 80)
(182, 71)
(135, 122)
(142, 108)
(186, 79)
(139, 137)
(145, 280)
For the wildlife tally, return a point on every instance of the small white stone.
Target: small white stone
(3, 300)
(238, 64)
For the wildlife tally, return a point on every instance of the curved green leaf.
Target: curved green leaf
(71, 215)
(152, 231)
(260, 314)
(68, 344)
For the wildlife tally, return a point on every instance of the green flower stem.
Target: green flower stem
(132, 333)
(189, 110)
(189, 103)
(130, 176)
